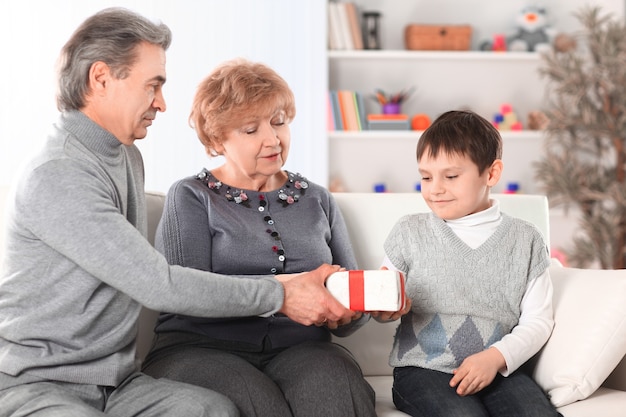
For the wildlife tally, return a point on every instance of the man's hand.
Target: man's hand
(307, 301)
(477, 371)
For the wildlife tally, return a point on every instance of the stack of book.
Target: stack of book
(388, 122)
(346, 111)
(344, 27)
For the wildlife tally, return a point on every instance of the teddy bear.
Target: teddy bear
(533, 31)
(533, 34)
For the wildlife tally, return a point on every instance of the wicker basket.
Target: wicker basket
(437, 37)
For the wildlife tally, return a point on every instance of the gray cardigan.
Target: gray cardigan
(78, 265)
(212, 226)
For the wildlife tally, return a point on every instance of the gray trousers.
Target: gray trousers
(139, 395)
(307, 380)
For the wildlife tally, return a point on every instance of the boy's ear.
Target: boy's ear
(495, 172)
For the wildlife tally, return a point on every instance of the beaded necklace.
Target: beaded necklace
(289, 193)
(292, 190)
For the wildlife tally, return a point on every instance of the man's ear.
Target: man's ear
(99, 74)
(495, 172)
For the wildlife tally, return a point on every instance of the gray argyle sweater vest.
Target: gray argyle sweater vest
(463, 299)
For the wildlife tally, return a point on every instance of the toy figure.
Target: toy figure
(506, 119)
(534, 34)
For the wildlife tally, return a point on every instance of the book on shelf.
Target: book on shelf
(330, 117)
(388, 122)
(335, 37)
(355, 25)
(385, 117)
(336, 111)
(359, 103)
(344, 26)
(347, 110)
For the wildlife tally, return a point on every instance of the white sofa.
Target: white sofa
(584, 358)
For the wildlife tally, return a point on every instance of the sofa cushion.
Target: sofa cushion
(589, 336)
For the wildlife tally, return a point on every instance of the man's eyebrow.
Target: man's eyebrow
(161, 79)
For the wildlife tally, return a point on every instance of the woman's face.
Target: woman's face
(259, 146)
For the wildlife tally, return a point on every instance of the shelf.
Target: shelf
(361, 159)
(412, 134)
(428, 55)
(443, 80)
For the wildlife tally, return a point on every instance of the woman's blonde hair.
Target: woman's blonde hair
(231, 93)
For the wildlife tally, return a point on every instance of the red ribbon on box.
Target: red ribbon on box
(357, 290)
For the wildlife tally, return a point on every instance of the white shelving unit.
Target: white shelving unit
(481, 81)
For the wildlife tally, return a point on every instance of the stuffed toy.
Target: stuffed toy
(533, 32)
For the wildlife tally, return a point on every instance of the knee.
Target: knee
(213, 406)
(331, 359)
(206, 403)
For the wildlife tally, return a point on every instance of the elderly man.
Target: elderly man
(78, 267)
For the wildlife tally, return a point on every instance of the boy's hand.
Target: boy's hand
(477, 371)
(385, 316)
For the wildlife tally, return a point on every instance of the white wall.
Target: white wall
(287, 35)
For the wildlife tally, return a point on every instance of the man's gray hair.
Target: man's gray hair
(110, 36)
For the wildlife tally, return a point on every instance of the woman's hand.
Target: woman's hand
(334, 324)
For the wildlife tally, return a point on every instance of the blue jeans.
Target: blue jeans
(426, 393)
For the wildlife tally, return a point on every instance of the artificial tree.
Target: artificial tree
(584, 161)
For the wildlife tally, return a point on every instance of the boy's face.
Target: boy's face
(452, 186)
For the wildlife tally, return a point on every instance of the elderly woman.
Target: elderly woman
(251, 217)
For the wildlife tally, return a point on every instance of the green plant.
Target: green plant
(584, 161)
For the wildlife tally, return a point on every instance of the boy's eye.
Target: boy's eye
(425, 178)
(451, 177)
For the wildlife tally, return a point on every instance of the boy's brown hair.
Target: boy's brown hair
(462, 132)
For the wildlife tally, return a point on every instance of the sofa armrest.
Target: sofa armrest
(589, 336)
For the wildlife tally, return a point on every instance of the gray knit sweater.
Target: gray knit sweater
(463, 299)
(77, 264)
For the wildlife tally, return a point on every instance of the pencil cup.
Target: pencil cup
(391, 108)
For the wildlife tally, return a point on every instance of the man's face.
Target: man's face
(131, 103)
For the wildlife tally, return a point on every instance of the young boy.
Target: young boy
(478, 281)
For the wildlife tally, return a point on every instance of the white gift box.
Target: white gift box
(375, 290)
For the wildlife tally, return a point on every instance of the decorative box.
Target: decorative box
(437, 38)
(371, 290)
